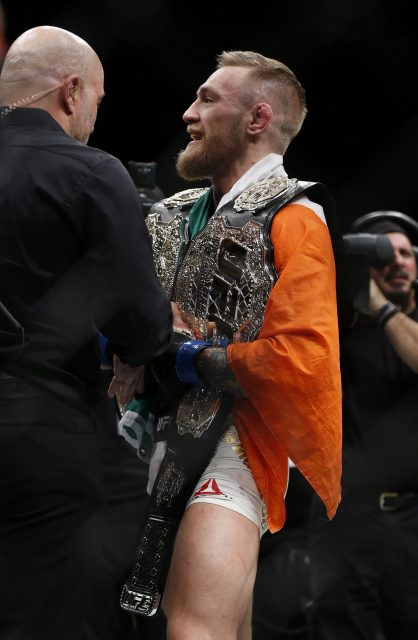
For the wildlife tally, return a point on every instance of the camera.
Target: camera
(365, 250)
(368, 249)
(144, 176)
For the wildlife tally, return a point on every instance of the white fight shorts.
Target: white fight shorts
(227, 480)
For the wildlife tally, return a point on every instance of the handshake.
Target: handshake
(176, 369)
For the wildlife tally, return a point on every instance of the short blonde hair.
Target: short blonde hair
(279, 83)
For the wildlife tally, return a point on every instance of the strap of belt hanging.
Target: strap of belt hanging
(194, 432)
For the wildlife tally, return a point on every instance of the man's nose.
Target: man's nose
(190, 114)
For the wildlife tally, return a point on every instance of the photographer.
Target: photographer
(365, 561)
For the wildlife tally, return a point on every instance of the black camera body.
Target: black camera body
(144, 176)
(365, 250)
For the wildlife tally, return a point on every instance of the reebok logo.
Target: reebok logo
(209, 488)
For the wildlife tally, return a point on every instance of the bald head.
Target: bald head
(41, 58)
(53, 69)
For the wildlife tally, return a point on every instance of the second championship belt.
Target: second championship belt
(193, 434)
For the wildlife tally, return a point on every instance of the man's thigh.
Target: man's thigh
(213, 568)
(211, 578)
(228, 482)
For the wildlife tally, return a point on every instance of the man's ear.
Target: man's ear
(70, 93)
(262, 115)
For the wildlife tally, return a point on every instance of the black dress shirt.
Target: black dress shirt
(75, 259)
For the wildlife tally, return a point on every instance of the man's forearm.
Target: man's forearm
(212, 366)
(402, 331)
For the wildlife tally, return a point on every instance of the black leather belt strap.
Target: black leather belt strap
(392, 501)
(192, 438)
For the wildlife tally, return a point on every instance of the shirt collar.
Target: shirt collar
(31, 116)
(271, 166)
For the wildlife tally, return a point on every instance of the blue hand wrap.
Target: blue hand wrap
(185, 361)
(103, 353)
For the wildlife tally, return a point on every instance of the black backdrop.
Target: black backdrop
(357, 59)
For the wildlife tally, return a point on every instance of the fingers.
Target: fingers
(178, 322)
(376, 299)
(112, 389)
(126, 393)
(126, 381)
(140, 382)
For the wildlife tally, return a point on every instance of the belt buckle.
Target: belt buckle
(382, 501)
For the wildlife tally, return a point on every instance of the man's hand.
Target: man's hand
(376, 300)
(178, 323)
(126, 382)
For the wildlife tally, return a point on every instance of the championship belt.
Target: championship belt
(225, 277)
(227, 274)
(167, 226)
(193, 434)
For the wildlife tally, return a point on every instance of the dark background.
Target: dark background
(357, 59)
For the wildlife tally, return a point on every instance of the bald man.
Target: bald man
(73, 243)
(53, 69)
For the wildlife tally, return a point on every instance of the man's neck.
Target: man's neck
(246, 175)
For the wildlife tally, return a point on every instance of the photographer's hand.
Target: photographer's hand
(400, 329)
(376, 300)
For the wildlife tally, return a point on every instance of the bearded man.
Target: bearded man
(250, 267)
